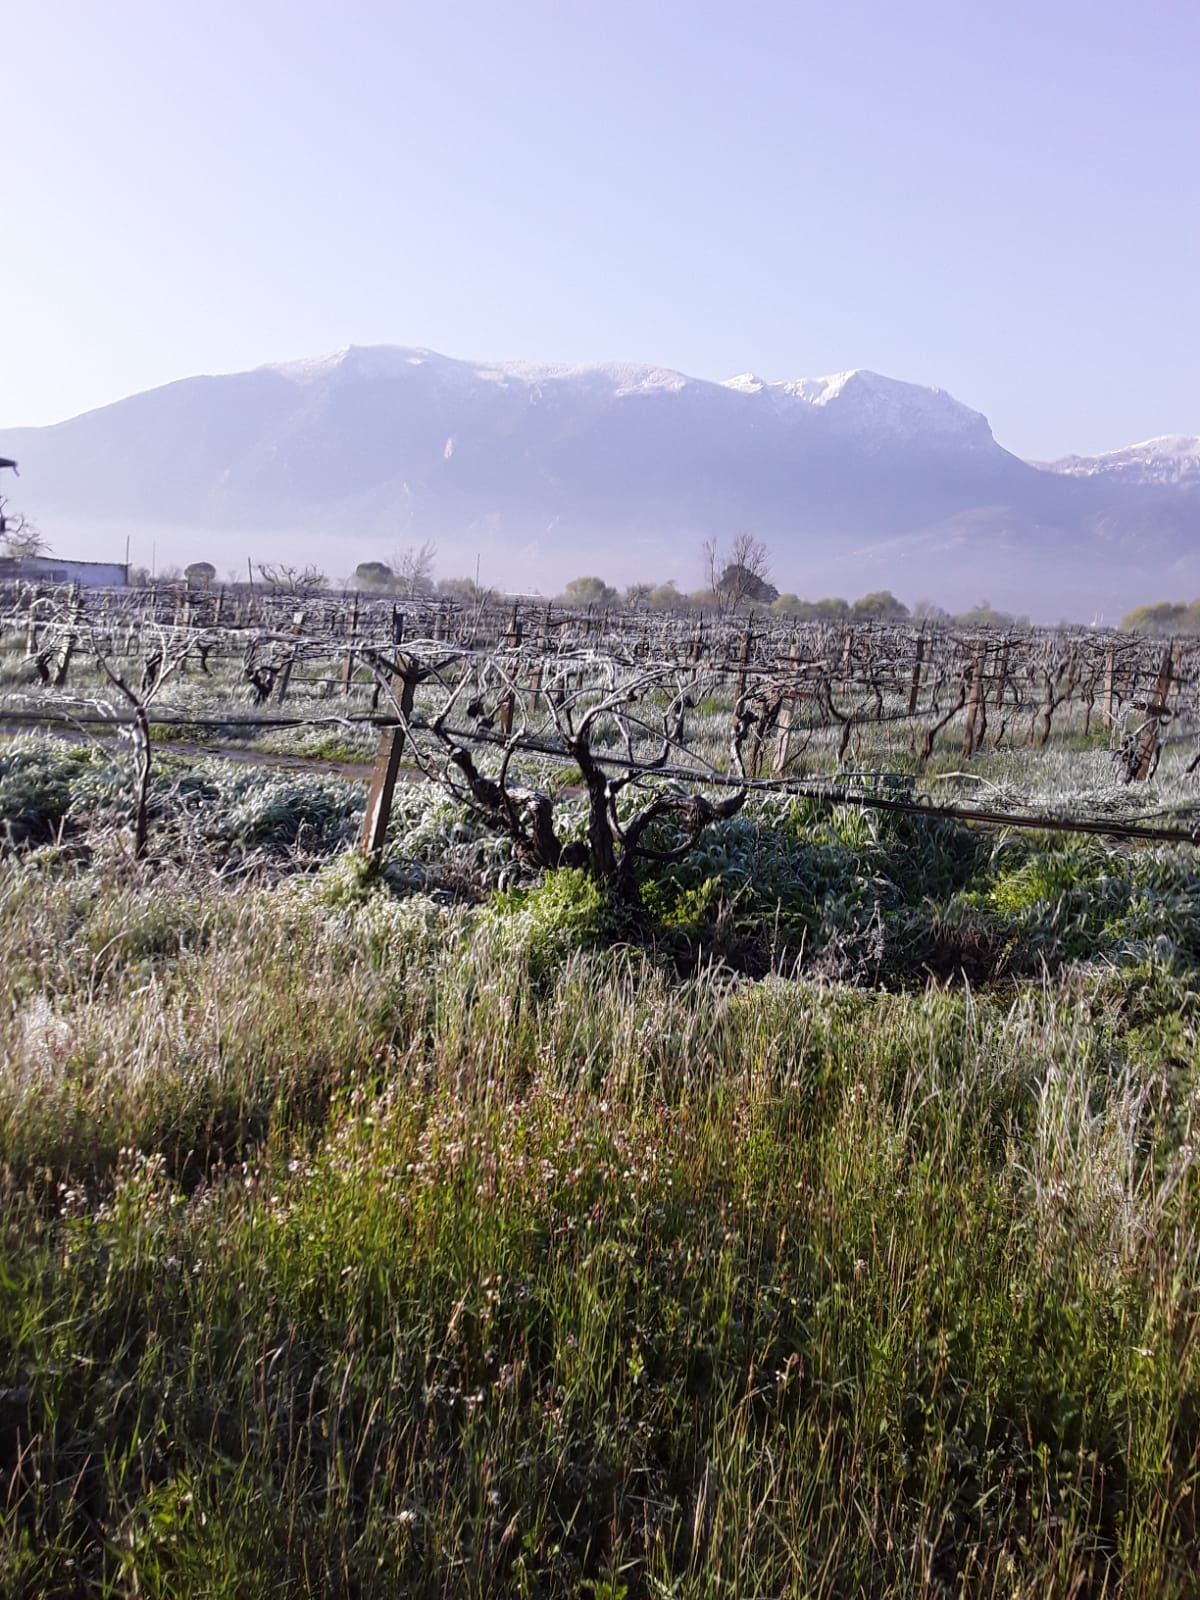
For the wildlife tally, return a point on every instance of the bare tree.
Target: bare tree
(740, 573)
(163, 652)
(413, 569)
(19, 537)
(154, 653)
(621, 723)
(287, 579)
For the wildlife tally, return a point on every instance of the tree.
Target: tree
(588, 592)
(739, 574)
(620, 728)
(984, 615)
(163, 652)
(285, 579)
(413, 567)
(881, 606)
(1161, 618)
(21, 540)
(666, 597)
(465, 590)
(373, 575)
(202, 572)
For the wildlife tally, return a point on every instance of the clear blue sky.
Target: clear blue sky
(998, 198)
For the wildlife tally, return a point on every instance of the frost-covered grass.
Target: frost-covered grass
(355, 1239)
(54, 792)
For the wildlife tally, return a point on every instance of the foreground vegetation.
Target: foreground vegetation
(400, 1234)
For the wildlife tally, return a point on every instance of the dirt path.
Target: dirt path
(354, 771)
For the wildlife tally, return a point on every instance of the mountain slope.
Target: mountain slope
(1173, 459)
(544, 471)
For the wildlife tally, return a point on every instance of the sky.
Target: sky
(996, 198)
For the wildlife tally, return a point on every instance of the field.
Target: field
(806, 1208)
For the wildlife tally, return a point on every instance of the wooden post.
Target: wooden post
(68, 650)
(184, 620)
(285, 671)
(1001, 678)
(744, 659)
(535, 684)
(976, 708)
(348, 660)
(697, 650)
(787, 711)
(512, 642)
(914, 688)
(1106, 703)
(1148, 747)
(387, 757)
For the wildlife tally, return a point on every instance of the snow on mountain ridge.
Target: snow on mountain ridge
(857, 402)
(866, 402)
(383, 361)
(547, 470)
(1171, 458)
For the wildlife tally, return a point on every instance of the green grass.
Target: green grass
(357, 1240)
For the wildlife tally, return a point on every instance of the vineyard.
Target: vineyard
(509, 1100)
(658, 702)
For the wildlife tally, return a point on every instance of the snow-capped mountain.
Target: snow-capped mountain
(541, 472)
(1172, 459)
(874, 409)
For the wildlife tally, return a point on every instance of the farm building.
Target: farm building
(58, 569)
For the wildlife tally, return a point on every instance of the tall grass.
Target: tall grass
(355, 1244)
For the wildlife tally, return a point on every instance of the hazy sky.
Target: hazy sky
(997, 198)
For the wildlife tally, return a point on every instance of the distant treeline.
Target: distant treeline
(740, 585)
(879, 606)
(1166, 616)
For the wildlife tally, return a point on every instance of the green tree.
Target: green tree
(373, 575)
(984, 615)
(881, 606)
(1162, 617)
(588, 592)
(831, 609)
(464, 590)
(740, 573)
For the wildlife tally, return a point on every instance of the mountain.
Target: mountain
(1173, 459)
(542, 472)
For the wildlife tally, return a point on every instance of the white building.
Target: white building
(58, 569)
